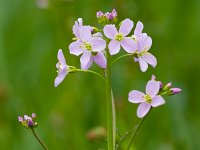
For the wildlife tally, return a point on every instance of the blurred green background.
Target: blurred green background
(31, 32)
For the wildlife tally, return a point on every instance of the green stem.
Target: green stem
(93, 72)
(109, 105)
(125, 136)
(136, 131)
(39, 140)
(114, 61)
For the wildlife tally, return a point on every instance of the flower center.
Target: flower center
(87, 46)
(119, 37)
(147, 98)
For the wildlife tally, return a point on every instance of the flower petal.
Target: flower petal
(110, 31)
(138, 29)
(129, 45)
(147, 42)
(98, 44)
(75, 48)
(143, 109)
(85, 60)
(136, 96)
(61, 57)
(98, 34)
(143, 64)
(60, 77)
(150, 59)
(114, 47)
(76, 27)
(100, 60)
(157, 101)
(126, 27)
(85, 33)
(152, 88)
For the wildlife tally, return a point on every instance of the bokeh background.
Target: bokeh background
(31, 32)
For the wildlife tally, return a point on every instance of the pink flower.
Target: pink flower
(28, 122)
(148, 100)
(143, 56)
(119, 38)
(91, 47)
(62, 68)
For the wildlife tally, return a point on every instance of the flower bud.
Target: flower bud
(28, 122)
(174, 91)
(99, 14)
(167, 86)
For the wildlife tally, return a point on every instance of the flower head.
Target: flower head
(91, 47)
(143, 56)
(148, 100)
(62, 68)
(118, 38)
(174, 91)
(108, 17)
(28, 122)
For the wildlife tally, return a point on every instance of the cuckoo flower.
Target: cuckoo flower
(148, 100)
(119, 38)
(28, 122)
(91, 47)
(143, 56)
(62, 68)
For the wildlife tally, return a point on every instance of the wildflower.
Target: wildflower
(148, 100)
(62, 68)
(28, 122)
(91, 47)
(143, 56)
(119, 38)
(99, 14)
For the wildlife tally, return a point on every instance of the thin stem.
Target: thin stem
(39, 140)
(109, 105)
(93, 72)
(117, 59)
(136, 131)
(125, 136)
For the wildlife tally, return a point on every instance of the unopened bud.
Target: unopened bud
(175, 91)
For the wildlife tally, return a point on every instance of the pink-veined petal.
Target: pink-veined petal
(98, 44)
(85, 60)
(138, 29)
(110, 31)
(150, 59)
(152, 88)
(129, 45)
(114, 47)
(136, 96)
(143, 64)
(60, 77)
(143, 109)
(100, 60)
(157, 101)
(126, 27)
(85, 33)
(75, 48)
(61, 57)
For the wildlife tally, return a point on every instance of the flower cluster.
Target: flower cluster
(108, 17)
(28, 122)
(92, 44)
(152, 97)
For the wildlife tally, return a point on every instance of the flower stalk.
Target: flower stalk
(39, 140)
(109, 105)
(136, 129)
